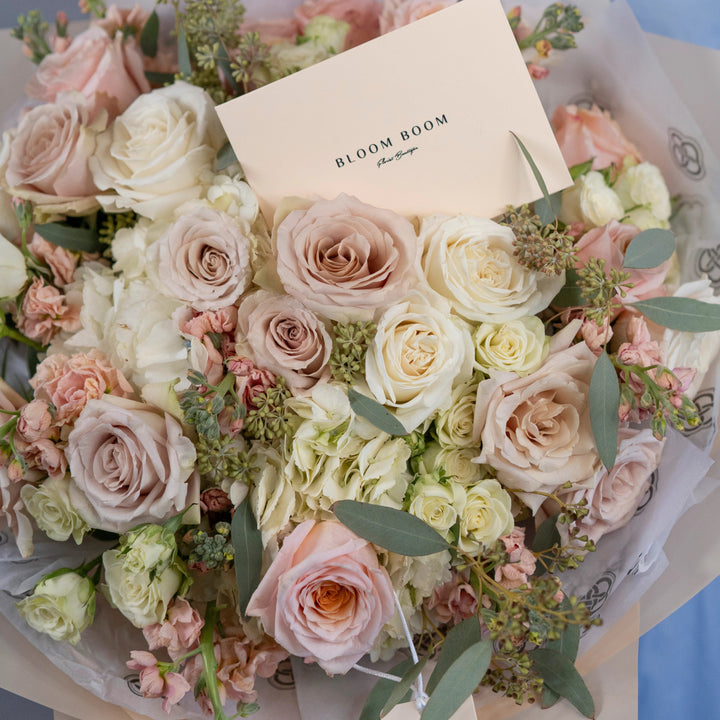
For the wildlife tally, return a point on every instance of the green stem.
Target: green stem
(207, 651)
(9, 332)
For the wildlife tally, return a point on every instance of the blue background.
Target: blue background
(679, 663)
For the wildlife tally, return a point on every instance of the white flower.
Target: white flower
(470, 261)
(61, 607)
(456, 462)
(13, 274)
(147, 548)
(285, 58)
(130, 247)
(417, 355)
(454, 424)
(644, 185)
(49, 503)
(486, 516)
(436, 502)
(233, 196)
(327, 32)
(517, 346)
(591, 201)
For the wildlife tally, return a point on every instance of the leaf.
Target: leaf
(394, 530)
(375, 413)
(459, 682)
(381, 692)
(546, 537)
(569, 642)
(534, 168)
(223, 62)
(678, 313)
(69, 237)
(159, 78)
(570, 294)
(401, 689)
(549, 698)
(457, 641)
(226, 156)
(604, 406)
(560, 675)
(581, 169)
(649, 249)
(183, 53)
(247, 544)
(548, 213)
(149, 35)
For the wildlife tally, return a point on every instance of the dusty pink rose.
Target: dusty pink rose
(535, 430)
(69, 382)
(180, 633)
(343, 258)
(154, 684)
(585, 134)
(521, 561)
(609, 243)
(13, 514)
(396, 13)
(453, 601)
(130, 464)
(325, 597)
(286, 338)
(35, 421)
(361, 15)
(107, 71)
(614, 495)
(44, 313)
(61, 261)
(204, 259)
(274, 30)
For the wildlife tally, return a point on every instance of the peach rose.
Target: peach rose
(130, 464)
(615, 494)
(286, 338)
(361, 15)
(44, 312)
(118, 18)
(69, 382)
(343, 258)
(535, 430)
(396, 13)
(107, 71)
(585, 134)
(204, 259)
(325, 597)
(609, 243)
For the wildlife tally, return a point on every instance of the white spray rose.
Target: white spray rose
(13, 274)
(230, 194)
(437, 502)
(454, 425)
(147, 548)
(49, 503)
(591, 201)
(644, 185)
(61, 606)
(456, 462)
(486, 516)
(285, 58)
(518, 346)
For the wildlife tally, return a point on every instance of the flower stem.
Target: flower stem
(207, 652)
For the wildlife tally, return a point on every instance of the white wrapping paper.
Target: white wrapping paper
(614, 67)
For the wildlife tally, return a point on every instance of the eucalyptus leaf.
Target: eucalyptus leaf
(223, 63)
(401, 689)
(183, 53)
(459, 682)
(226, 156)
(549, 698)
(247, 544)
(604, 407)
(535, 170)
(570, 294)
(548, 213)
(375, 413)
(457, 641)
(546, 537)
(569, 642)
(649, 249)
(76, 239)
(679, 313)
(381, 692)
(149, 35)
(581, 169)
(560, 675)
(159, 78)
(389, 528)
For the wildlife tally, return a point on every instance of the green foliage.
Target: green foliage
(557, 27)
(32, 31)
(203, 402)
(149, 35)
(600, 290)
(604, 400)
(401, 689)
(381, 692)
(559, 674)
(73, 235)
(375, 413)
(649, 249)
(247, 545)
(214, 550)
(222, 458)
(679, 313)
(460, 637)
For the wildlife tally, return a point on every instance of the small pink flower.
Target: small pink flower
(397, 13)
(537, 72)
(521, 561)
(35, 421)
(43, 454)
(453, 601)
(176, 686)
(214, 500)
(153, 683)
(44, 313)
(61, 261)
(595, 336)
(180, 633)
(13, 513)
(250, 381)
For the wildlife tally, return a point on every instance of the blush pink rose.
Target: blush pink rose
(69, 382)
(585, 134)
(397, 13)
(119, 18)
(325, 597)
(44, 312)
(61, 261)
(129, 464)
(609, 243)
(361, 15)
(343, 258)
(107, 71)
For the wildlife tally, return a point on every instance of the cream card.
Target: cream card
(408, 711)
(417, 120)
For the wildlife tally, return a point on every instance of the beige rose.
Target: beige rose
(203, 259)
(286, 338)
(535, 430)
(343, 258)
(129, 464)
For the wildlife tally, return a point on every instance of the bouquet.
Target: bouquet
(338, 432)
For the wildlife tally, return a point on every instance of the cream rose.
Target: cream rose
(486, 516)
(456, 462)
(591, 201)
(13, 273)
(416, 357)
(129, 464)
(343, 258)
(517, 346)
(49, 503)
(454, 424)
(286, 338)
(154, 154)
(325, 596)
(535, 430)
(470, 261)
(436, 502)
(203, 259)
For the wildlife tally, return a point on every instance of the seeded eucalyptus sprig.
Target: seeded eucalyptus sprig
(350, 344)
(210, 549)
(222, 458)
(269, 419)
(601, 289)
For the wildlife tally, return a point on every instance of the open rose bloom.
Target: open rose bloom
(212, 385)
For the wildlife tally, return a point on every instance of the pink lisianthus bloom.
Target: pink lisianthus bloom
(453, 601)
(361, 15)
(44, 312)
(154, 683)
(180, 633)
(521, 562)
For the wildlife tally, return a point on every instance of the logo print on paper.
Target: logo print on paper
(709, 264)
(133, 683)
(585, 101)
(648, 496)
(597, 595)
(283, 678)
(687, 154)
